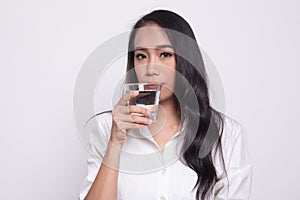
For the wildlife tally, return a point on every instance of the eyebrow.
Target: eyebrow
(157, 47)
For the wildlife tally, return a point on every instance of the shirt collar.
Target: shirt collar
(145, 133)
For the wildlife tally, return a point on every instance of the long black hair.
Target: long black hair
(198, 152)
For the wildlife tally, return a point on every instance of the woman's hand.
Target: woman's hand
(123, 119)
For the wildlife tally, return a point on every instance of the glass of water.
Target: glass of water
(148, 97)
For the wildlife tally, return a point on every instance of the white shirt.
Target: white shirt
(147, 173)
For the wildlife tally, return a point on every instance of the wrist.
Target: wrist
(116, 143)
(112, 156)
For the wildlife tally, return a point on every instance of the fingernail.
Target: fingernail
(149, 121)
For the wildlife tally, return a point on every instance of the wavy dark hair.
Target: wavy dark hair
(189, 63)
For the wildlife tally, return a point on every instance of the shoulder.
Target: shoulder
(104, 118)
(104, 122)
(231, 125)
(100, 127)
(99, 133)
(232, 131)
(234, 144)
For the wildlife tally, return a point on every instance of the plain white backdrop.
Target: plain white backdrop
(254, 44)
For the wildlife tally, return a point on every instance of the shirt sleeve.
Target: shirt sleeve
(237, 183)
(98, 141)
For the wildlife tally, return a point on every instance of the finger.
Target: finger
(139, 109)
(130, 125)
(127, 97)
(133, 118)
(140, 119)
(131, 109)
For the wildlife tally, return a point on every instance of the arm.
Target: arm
(105, 184)
(101, 183)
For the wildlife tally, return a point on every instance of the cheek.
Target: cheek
(171, 63)
(170, 75)
(140, 72)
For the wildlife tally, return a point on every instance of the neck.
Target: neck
(167, 116)
(169, 111)
(167, 124)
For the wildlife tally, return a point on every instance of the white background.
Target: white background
(254, 44)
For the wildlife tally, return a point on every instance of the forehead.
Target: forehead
(151, 36)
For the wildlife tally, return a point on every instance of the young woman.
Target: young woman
(191, 152)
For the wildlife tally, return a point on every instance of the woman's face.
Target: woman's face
(154, 58)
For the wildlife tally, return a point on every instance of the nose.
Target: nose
(153, 66)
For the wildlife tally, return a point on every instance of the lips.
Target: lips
(153, 86)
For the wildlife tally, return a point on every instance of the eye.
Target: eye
(140, 56)
(165, 54)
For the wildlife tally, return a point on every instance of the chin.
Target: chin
(165, 97)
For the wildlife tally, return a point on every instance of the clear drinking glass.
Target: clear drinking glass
(148, 96)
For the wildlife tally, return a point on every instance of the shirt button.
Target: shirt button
(163, 171)
(162, 198)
